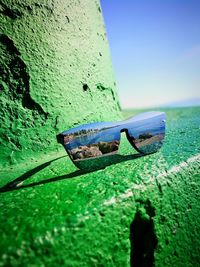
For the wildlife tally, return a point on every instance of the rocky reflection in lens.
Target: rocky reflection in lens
(98, 141)
(148, 136)
(148, 143)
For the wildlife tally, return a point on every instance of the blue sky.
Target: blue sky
(155, 49)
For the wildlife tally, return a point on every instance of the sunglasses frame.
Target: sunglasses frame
(119, 125)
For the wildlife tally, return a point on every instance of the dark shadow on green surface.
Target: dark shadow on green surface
(143, 237)
(13, 184)
(89, 167)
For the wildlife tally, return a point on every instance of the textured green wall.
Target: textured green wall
(138, 212)
(55, 72)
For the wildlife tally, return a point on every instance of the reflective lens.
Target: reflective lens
(91, 141)
(146, 131)
(87, 144)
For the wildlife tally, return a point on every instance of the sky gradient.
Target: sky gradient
(155, 49)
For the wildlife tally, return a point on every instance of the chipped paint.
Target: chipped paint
(53, 55)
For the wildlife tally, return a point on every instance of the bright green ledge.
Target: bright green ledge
(60, 216)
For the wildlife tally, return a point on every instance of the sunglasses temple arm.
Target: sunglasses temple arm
(60, 139)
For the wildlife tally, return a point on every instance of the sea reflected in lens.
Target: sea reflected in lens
(148, 135)
(92, 143)
(148, 143)
(96, 140)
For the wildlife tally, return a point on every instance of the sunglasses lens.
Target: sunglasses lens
(147, 134)
(92, 141)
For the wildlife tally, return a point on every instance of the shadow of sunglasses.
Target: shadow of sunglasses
(94, 144)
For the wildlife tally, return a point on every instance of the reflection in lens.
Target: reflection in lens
(94, 141)
(148, 135)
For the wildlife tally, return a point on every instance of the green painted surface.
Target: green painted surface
(55, 72)
(56, 215)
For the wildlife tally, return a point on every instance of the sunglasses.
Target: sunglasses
(145, 132)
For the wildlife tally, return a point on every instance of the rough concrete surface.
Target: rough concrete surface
(138, 211)
(55, 72)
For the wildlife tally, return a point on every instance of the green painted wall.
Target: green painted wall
(55, 72)
(139, 211)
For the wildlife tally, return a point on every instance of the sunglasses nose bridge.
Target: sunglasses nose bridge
(124, 130)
